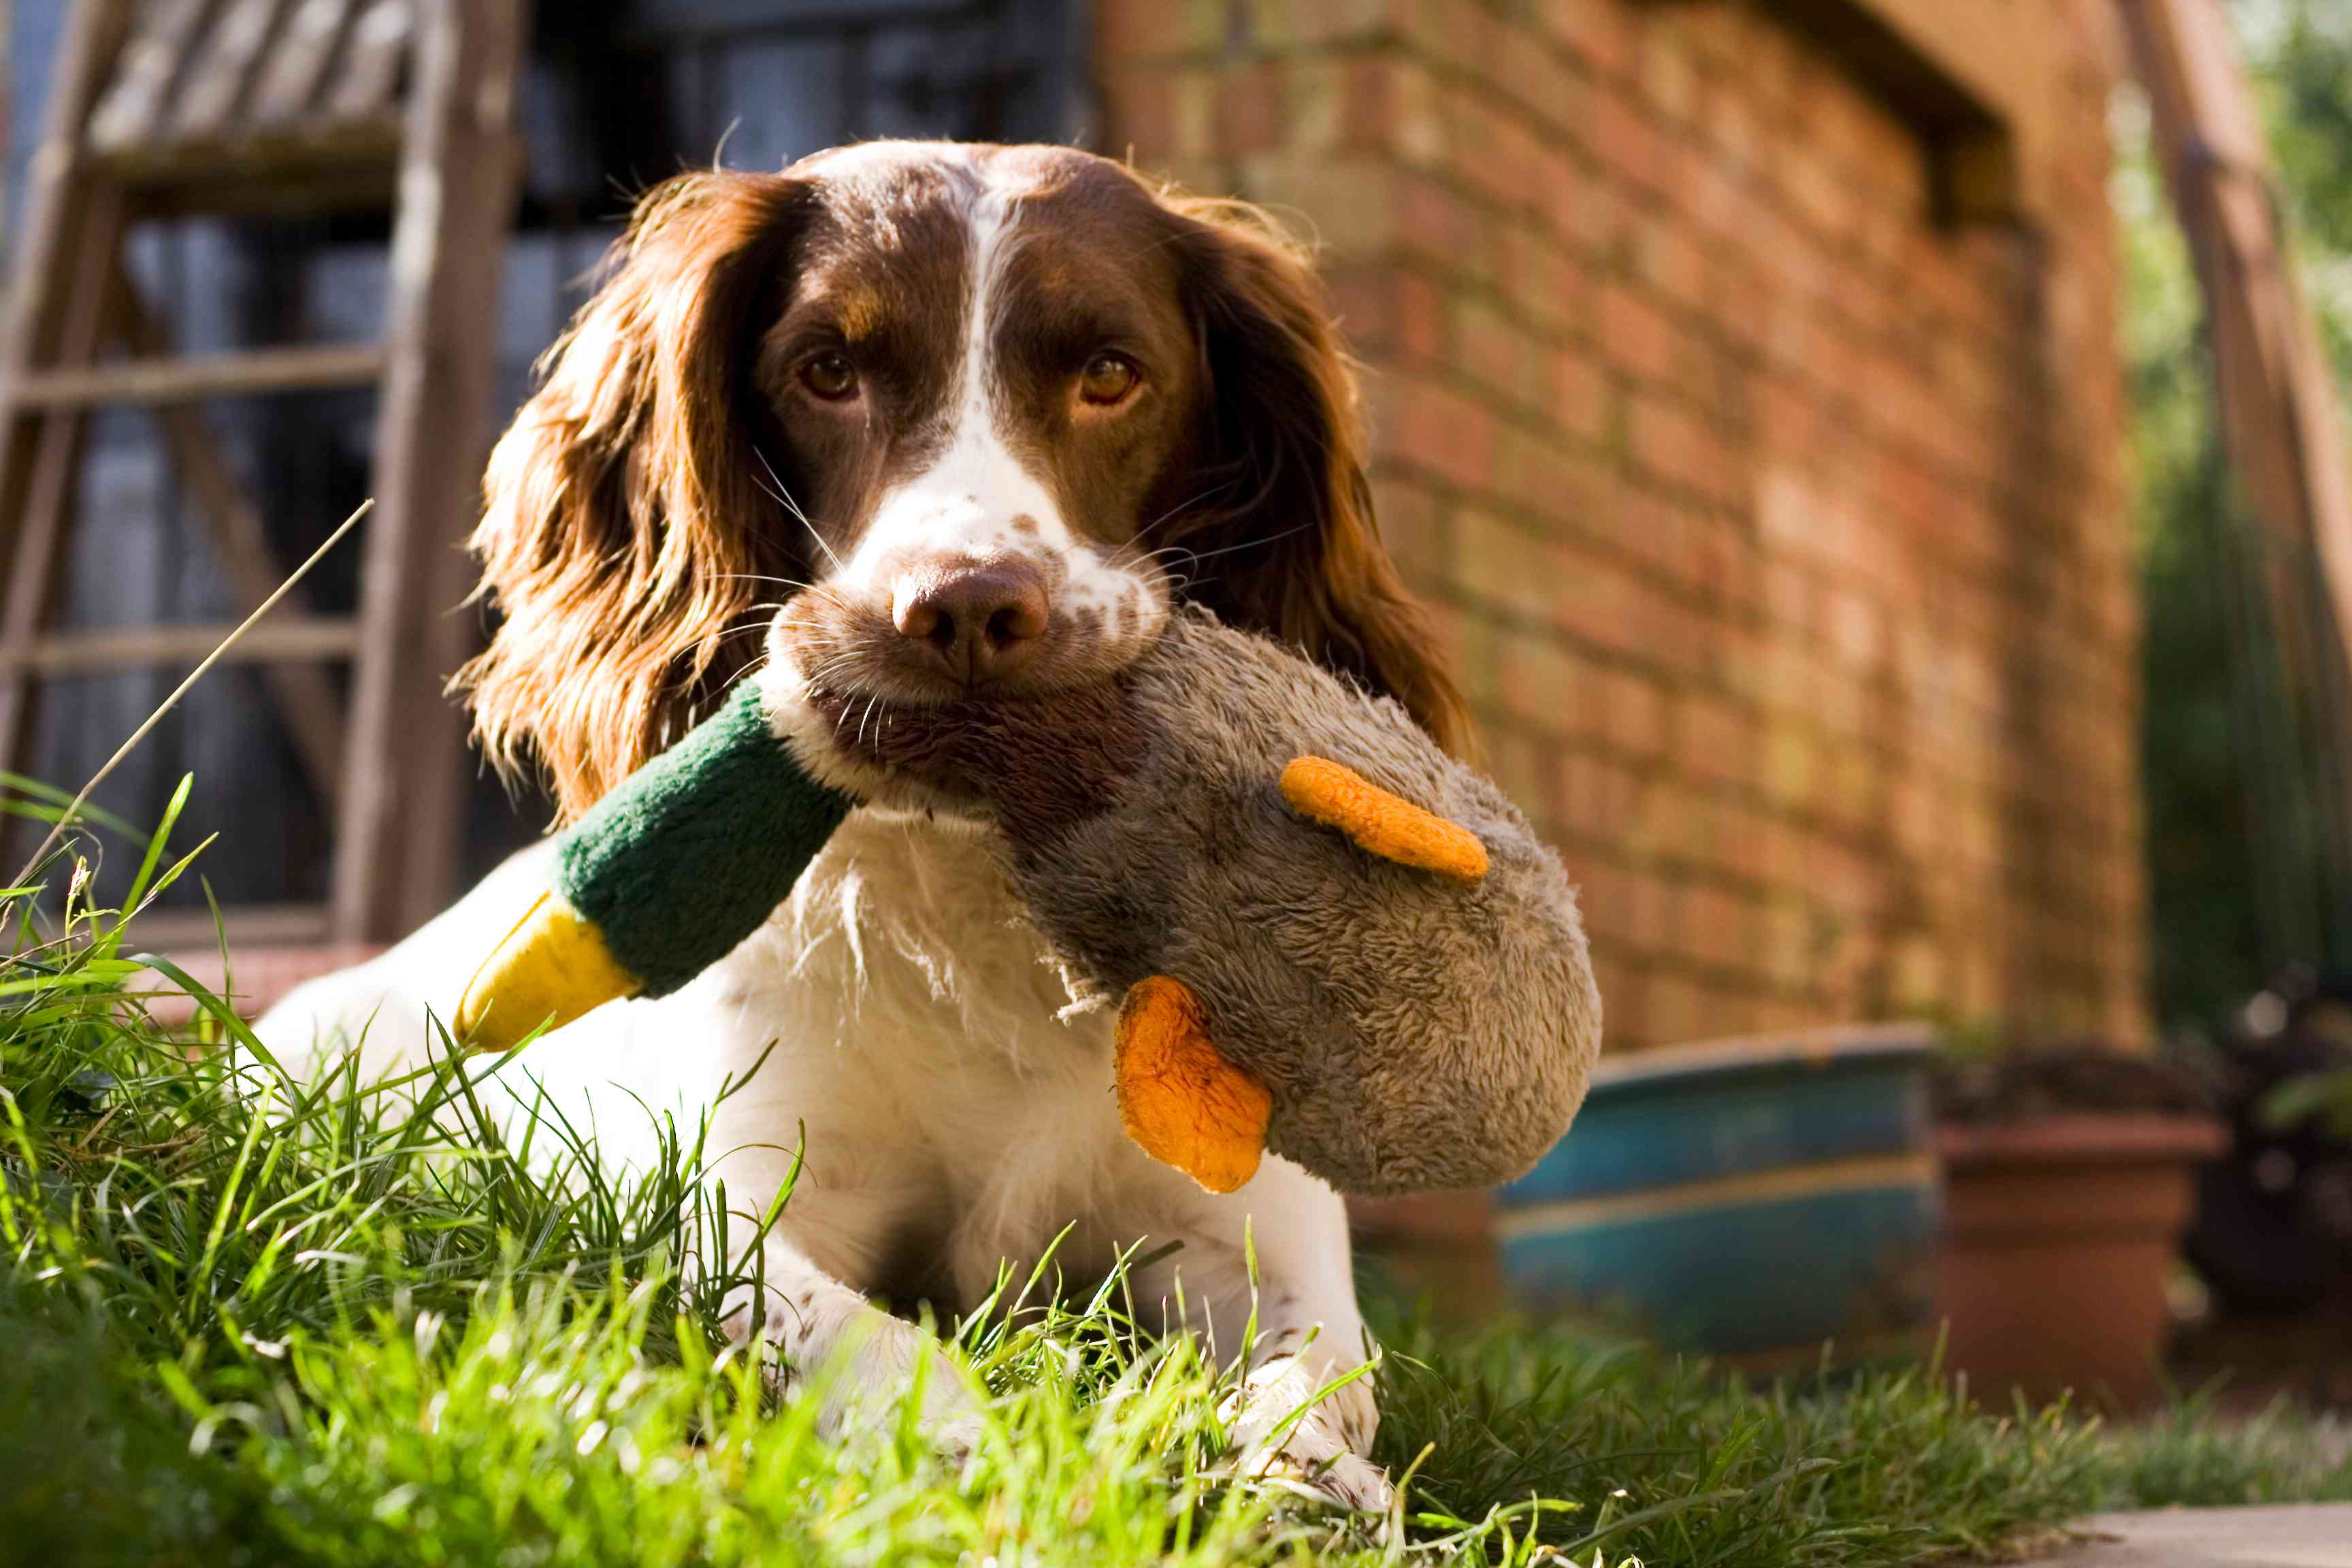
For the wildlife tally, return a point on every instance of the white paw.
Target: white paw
(872, 1365)
(859, 1363)
(1317, 1455)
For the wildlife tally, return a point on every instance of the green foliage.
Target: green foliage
(250, 1320)
(2190, 1457)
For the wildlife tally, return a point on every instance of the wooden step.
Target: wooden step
(285, 639)
(307, 368)
(257, 926)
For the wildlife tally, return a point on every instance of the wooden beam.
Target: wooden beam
(44, 507)
(2279, 417)
(153, 53)
(54, 212)
(254, 373)
(309, 639)
(221, 74)
(406, 783)
(289, 925)
(296, 62)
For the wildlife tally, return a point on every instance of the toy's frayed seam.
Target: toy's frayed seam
(1178, 1098)
(1381, 823)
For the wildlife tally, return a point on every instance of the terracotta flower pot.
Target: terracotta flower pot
(2059, 1232)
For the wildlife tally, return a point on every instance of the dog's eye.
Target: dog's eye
(830, 375)
(1108, 379)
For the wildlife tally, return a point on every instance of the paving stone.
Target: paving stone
(2317, 1536)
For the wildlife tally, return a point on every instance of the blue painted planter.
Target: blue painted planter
(1751, 1198)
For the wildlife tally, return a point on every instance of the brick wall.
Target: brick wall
(1780, 535)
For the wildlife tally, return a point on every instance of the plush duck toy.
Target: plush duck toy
(1324, 936)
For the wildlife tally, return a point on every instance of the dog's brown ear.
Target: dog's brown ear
(1283, 501)
(623, 531)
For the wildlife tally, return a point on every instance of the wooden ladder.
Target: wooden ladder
(163, 108)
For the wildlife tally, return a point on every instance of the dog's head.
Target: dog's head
(959, 420)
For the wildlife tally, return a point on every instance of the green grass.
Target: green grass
(258, 1321)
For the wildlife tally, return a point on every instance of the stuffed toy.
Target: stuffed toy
(1324, 936)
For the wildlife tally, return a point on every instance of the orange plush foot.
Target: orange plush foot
(1385, 824)
(1181, 1100)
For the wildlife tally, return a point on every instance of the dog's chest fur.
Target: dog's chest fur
(954, 1083)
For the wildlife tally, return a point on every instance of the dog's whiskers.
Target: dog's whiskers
(759, 577)
(1197, 556)
(783, 495)
(1181, 506)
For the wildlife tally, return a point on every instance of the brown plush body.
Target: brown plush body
(1415, 1029)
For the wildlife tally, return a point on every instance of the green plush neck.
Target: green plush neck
(688, 854)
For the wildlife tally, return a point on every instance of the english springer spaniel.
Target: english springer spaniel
(924, 420)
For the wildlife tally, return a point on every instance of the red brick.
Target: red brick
(1500, 565)
(1730, 121)
(1563, 487)
(1581, 210)
(1316, 22)
(1598, 32)
(1720, 927)
(1666, 73)
(1438, 223)
(1633, 714)
(1421, 324)
(1319, 21)
(1542, 86)
(1597, 797)
(1413, 525)
(1678, 1008)
(1548, 286)
(1343, 102)
(1666, 440)
(1469, 38)
(1495, 152)
(1638, 338)
(1545, 685)
(1714, 740)
(1625, 142)
(1522, 766)
(1580, 395)
(1654, 914)
(1139, 112)
(1444, 430)
(1128, 29)
(1673, 264)
(1492, 349)
(1363, 298)
(1252, 113)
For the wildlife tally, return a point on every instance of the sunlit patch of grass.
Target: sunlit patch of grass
(252, 1319)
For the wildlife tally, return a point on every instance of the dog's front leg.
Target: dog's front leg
(857, 1360)
(1309, 1335)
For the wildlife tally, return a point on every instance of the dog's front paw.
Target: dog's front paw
(1316, 1452)
(861, 1379)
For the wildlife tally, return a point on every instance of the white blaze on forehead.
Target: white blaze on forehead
(969, 501)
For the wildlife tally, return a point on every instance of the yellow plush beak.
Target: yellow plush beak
(552, 967)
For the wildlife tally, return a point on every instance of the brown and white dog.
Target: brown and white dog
(927, 420)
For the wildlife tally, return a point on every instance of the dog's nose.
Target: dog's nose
(980, 620)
